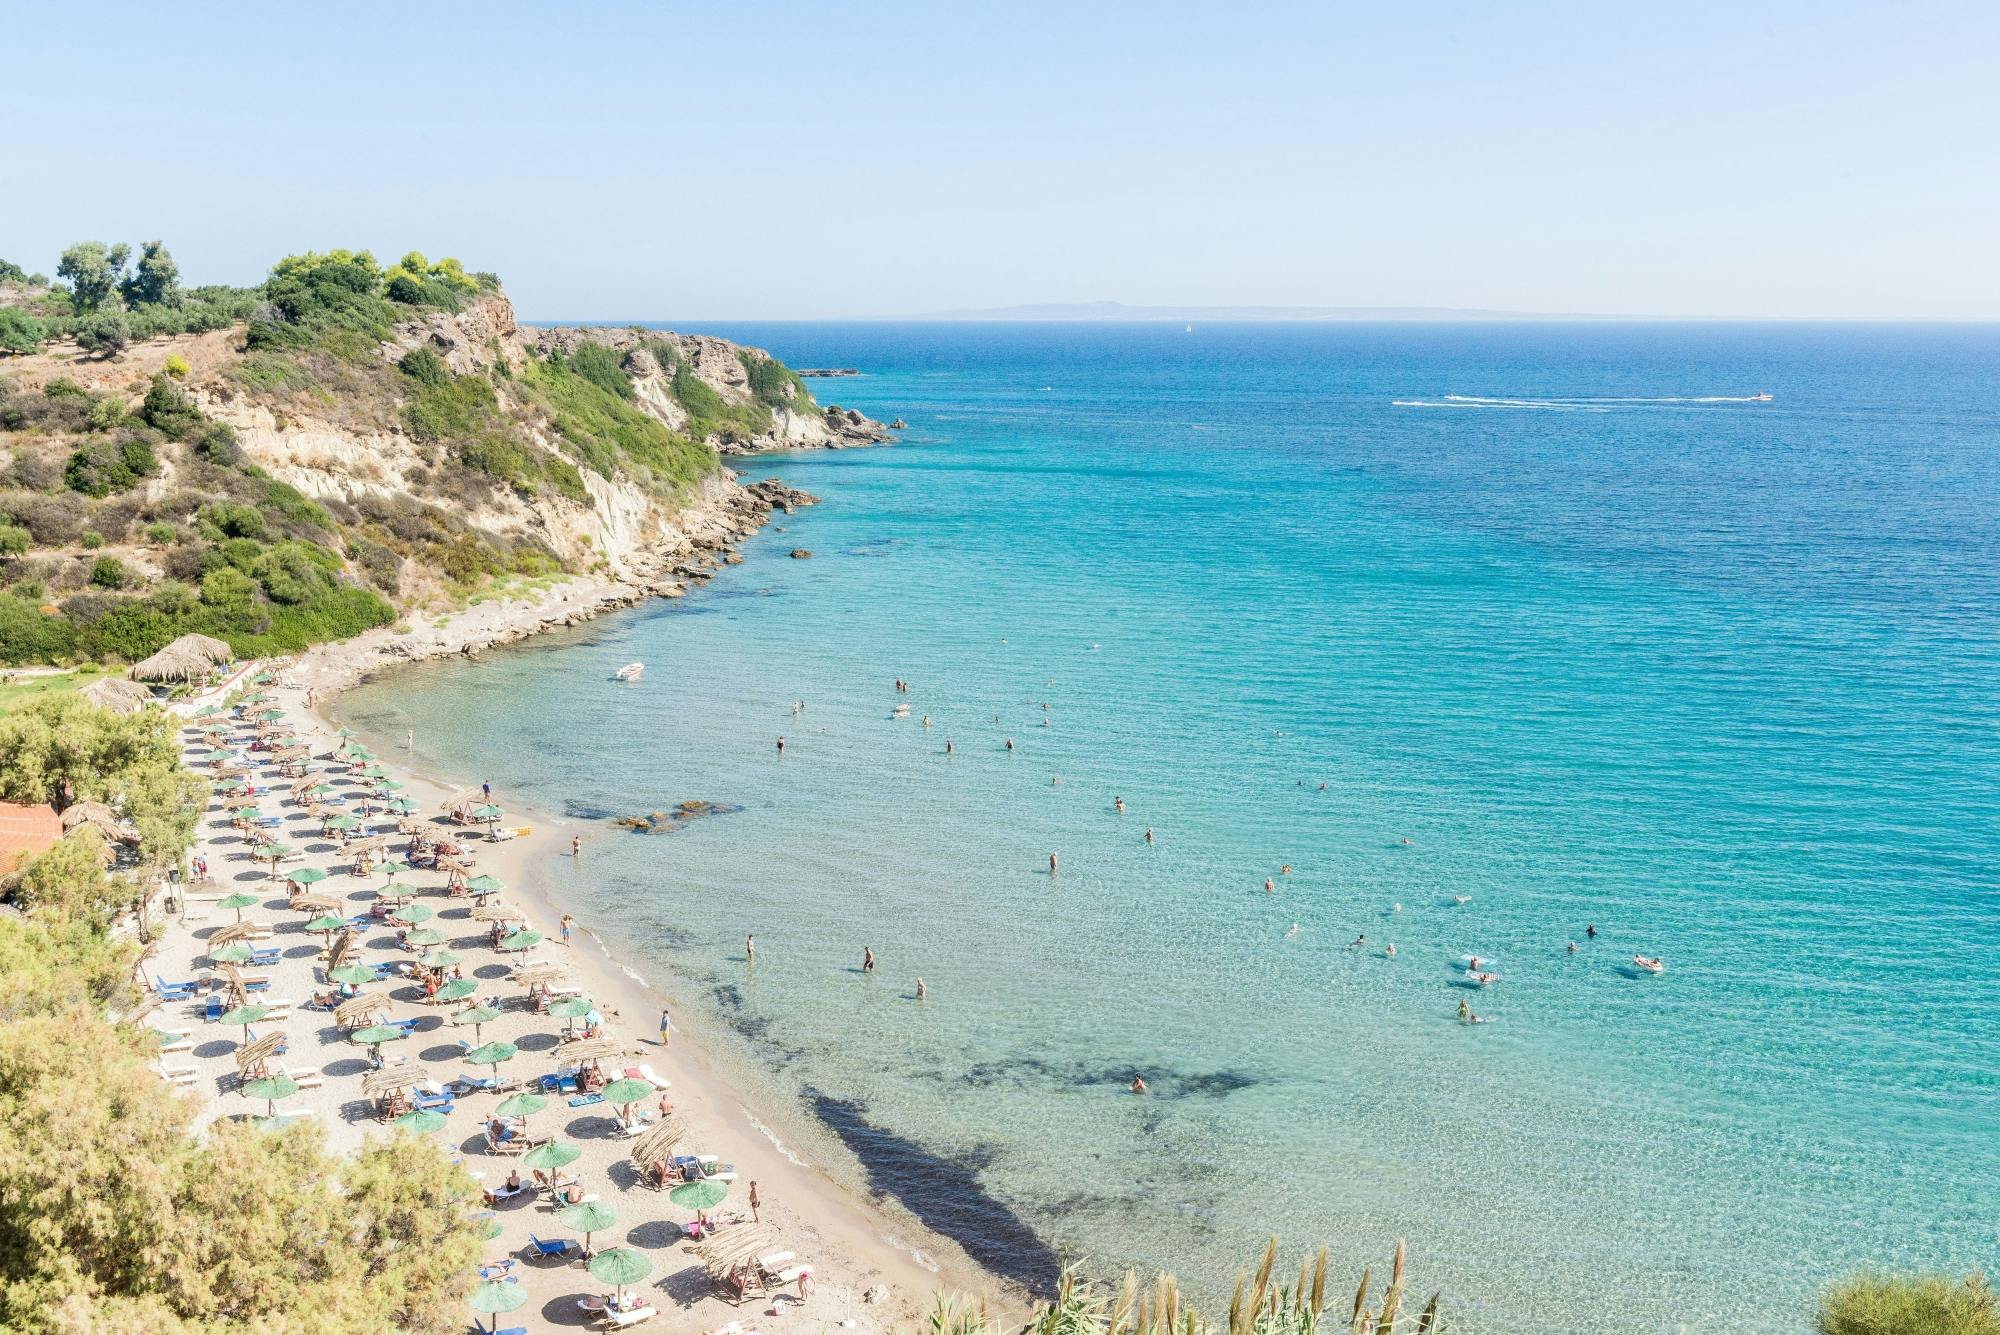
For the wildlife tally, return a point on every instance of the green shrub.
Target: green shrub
(105, 334)
(600, 366)
(1872, 1304)
(219, 446)
(14, 540)
(62, 387)
(177, 366)
(450, 410)
(774, 385)
(161, 534)
(92, 540)
(105, 412)
(605, 433)
(711, 416)
(20, 331)
(425, 367)
(107, 572)
(168, 409)
(101, 467)
(226, 519)
(291, 505)
(27, 635)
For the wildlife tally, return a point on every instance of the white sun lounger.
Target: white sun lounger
(650, 1076)
(178, 1075)
(306, 1077)
(622, 1320)
(178, 1043)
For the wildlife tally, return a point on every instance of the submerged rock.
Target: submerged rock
(801, 554)
(666, 822)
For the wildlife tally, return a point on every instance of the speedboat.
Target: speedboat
(1760, 398)
(630, 672)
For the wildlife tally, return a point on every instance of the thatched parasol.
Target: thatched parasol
(235, 931)
(351, 1012)
(189, 658)
(142, 1010)
(464, 797)
(594, 1049)
(377, 1083)
(318, 903)
(374, 843)
(536, 974)
(261, 1050)
(98, 817)
(117, 694)
(497, 913)
(658, 1141)
(722, 1252)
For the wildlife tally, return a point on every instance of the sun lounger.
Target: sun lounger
(769, 1262)
(306, 1077)
(503, 1192)
(616, 1320)
(178, 1075)
(585, 1100)
(471, 1084)
(650, 1076)
(177, 1043)
(559, 1084)
(560, 1247)
(167, 991)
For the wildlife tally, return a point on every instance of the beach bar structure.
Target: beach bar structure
(190, 658)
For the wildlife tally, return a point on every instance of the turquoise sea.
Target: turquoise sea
(1598, 641)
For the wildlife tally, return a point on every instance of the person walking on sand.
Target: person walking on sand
(867, 959)
(410, 739)
(666, 1028)
(756, 1203)
(749, 950)
(486, 790)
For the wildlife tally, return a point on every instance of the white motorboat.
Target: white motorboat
(630, 672)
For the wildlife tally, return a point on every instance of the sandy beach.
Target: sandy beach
(874, 1266)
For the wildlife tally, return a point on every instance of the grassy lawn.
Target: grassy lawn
(20, 685)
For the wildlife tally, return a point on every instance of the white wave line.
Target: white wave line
(771, 1136)
(1547, 406)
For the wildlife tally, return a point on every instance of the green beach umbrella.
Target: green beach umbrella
(522, 1105)
(397, 890)
(587, 1218)
(496, 1296)
(487, 812)
(340, 822)
(307, 876)
(344, 733)
(625, 1093)
(245, 813)
(403, 806)
(257, 699)
(522, 940)
(354, 975)
(377, 1034)
(425, 936)
(458, 989)
(491, 1230)
(621, 1266)
(374, 772)
(230, 954)
(239, 901)
(414, 913)
(270, 1089)
(326, 922)
(422, 1121)
(393, 869)
(492, 1054)
(703, 1195)
(484, 885)
(245, 1016)
(323, 790)
(446, 958)
(263, 679)
(476, 1016)
(389, 785)
(551, 1156)
(217, 757)
(570, 1008)
(208, 711)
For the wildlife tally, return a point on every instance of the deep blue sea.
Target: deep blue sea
(1490, 634)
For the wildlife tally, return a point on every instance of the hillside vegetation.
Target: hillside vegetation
(344, 444)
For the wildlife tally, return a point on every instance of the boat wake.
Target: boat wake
(1581, 403)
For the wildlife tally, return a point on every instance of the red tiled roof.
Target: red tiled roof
(26, 832)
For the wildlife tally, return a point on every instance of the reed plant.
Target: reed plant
(1261, 1305)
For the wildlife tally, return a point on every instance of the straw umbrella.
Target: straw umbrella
(496, 912)
(586, 1218)
(239, 901)
(494, 1297)
(377, 1083)
(621, 1266)
(270, 1089)
(492, 1054)
(355, 1010)
(476, 1016)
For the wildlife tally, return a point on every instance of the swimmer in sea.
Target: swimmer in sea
(1118, 805)
(927, 720)
(922, 991)
(1361, 940)
(1472, 961)
(1396, 908)
(1149, 834)
(1591, 931)
(1294, 932)
(1406, 841)
(1053, 864)
(1055, 781)
(1572, 947)
(1285, 870)
(1138, 1085)
(1391, 951)
(1045, 723)
(947, 746)
(781, 746)
(868, 959)
(1269, 885)
(1010, 743)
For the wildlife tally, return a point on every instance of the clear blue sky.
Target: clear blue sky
(767, 160)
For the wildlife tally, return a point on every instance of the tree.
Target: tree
(59, 748)
(105, 334)
(69, 880)
(156, 280)
(107, 572)
(93, 271)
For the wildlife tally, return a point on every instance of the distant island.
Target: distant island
(1118, 311)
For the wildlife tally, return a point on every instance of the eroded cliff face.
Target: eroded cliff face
(347, 454)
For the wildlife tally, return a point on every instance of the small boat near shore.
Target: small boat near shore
(630, 672)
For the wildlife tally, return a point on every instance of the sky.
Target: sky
(758, 160)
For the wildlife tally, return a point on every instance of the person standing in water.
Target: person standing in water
(867, 959)
(1052, 864)
(1010, 743)
(1149, 834)
(750, 950)
(947, 746)
(1591, 931)
(1118, 805)
(781, 746)
(1269, 885)
(922, 991)
(1138, 1084)
(576, 845)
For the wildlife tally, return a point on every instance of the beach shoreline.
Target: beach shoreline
(869, 1235)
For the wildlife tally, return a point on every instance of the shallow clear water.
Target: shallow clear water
(1722, 678)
